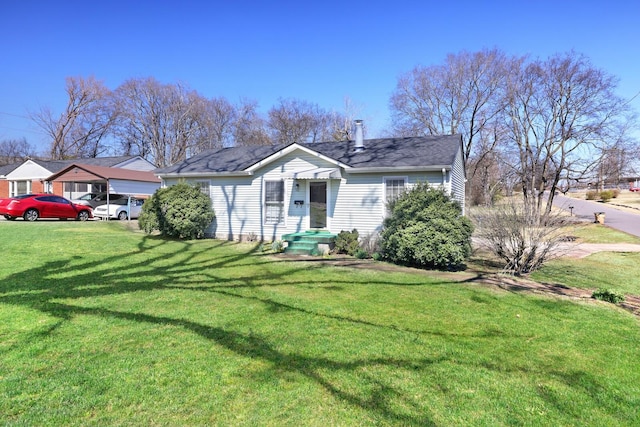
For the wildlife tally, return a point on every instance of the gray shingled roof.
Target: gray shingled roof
(231, 159)
(57, 165)
(5, 169)
(394, 152)
(378, 153)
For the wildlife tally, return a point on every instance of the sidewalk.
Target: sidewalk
(581, 250)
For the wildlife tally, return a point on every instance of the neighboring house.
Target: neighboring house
(4, 183)
(31, 175)
(269, 191)
(114, 180)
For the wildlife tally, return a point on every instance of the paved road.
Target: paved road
(614, 218)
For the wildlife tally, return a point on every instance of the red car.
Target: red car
(34, 206)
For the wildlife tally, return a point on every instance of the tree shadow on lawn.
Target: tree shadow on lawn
(151, 268)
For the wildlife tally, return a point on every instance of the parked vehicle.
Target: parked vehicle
(84, 198)
(101, 199)
(119, 209)
(34, 206)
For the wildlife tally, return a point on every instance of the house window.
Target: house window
(77, 187)
(393, 188)
(204, 187)
(18, 188)
(273, 202)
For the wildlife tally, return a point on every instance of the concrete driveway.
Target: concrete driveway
(614, 218)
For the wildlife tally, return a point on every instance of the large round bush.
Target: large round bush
(426, 229)
(181, 211)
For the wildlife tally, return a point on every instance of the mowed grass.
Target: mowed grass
(103, 326)
(616, 271)
(596, 233)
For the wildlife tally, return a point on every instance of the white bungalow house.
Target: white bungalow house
(272, 192)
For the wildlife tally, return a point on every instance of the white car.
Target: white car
(119, 209)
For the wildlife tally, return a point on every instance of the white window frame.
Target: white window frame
(385, 180)
(13, 187)
(266, 220)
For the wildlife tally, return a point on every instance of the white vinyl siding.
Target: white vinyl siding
(360, 199)
(358, 204)
(458, 180)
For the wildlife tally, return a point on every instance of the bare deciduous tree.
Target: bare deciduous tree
(465, 95)
(341, 126)
(249, 126)
(294, 120)
(15, 150)
(219, 118)
(161, 122)
(462, 96)
(81, 129)
(559, 113)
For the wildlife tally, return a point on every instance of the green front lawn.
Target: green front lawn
(104, 326)
(616, 271)
(596, 233)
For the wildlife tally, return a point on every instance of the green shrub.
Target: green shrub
(277, 246)
(181, 211)
(347, 242)
(606, 195)
(608, 296)
(361, 254)
(592, 195)
(426, 229)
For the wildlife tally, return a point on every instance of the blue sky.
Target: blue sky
(321, 52)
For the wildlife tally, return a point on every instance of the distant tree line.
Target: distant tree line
(527, 124)
(15, 151)
(166, 122)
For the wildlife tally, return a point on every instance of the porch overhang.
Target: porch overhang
(316, 173)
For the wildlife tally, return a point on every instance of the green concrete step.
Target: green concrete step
(317, 236)
(303, 244)
(306, 243)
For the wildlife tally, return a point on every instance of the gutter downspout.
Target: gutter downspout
(444, 180)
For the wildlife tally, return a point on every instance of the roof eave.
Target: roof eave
(201, 174)
(431, 168)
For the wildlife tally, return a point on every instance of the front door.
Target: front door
(318, 204)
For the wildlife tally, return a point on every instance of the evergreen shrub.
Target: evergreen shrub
(347, 242)
(426, 229)
(180, 211)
